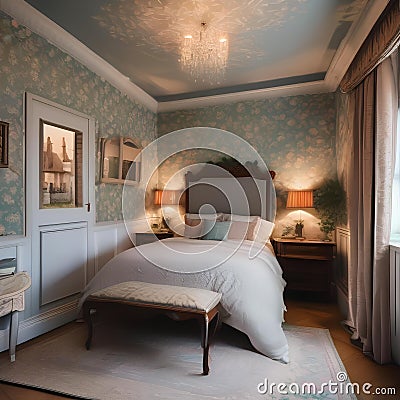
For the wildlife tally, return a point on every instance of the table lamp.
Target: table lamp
(166, 198)
(300, 199)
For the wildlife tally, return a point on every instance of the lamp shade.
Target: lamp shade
(300, 199)
(166, 197)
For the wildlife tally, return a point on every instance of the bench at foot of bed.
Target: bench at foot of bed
(186, 302)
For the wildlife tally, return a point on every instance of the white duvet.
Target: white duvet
(252, 288)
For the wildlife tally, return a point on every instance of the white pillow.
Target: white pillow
(240, 218)
(263, 230)
(195, 226)
(216, 217)
(242, 230)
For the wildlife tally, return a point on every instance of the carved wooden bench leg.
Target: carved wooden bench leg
(208, 325)
(88, 316)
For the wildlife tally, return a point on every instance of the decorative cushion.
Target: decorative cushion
(242, 230)
(161, 295)
(218, 232)
(193, 228)
(196, 226)
(260, 232)
(263, 231)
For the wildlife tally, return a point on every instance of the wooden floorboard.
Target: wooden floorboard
(303, 313)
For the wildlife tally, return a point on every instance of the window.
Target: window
(60, 167)
(396, 187)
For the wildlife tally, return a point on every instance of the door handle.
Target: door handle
(88, 206)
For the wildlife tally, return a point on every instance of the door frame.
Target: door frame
(29, 98)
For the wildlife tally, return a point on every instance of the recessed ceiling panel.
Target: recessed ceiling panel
(270, 41)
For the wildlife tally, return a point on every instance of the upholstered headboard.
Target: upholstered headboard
(232, 191)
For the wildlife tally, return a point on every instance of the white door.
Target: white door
(59, 201)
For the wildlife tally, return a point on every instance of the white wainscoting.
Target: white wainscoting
(395, 301)
(67, 277)
(342, 268)
(109, 240)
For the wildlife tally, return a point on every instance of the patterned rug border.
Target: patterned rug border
(321, 331)
(327, 334)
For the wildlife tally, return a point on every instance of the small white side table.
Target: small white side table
(12, 290)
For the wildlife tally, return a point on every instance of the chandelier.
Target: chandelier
(205, 55)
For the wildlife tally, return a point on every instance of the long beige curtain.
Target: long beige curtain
(375, 102)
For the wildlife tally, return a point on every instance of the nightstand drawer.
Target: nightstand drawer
(310, 275)
(309, 251)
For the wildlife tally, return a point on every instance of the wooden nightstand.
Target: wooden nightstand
(307, 264)
(151, 236)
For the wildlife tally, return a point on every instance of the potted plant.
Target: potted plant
(288, 231)
(330, 202)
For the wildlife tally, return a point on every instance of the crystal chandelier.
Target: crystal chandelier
(205, 56)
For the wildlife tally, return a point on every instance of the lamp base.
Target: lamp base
(299, 230)
(299, 237)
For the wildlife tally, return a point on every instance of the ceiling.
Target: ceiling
(271, 42)
(276, 47)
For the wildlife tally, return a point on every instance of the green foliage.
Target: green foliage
(330, 202)
(288, 230)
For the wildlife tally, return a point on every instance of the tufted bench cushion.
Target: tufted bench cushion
(150, 294)
(182, 301)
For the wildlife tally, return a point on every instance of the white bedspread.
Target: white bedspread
(252, 289)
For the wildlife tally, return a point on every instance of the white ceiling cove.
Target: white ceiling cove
(272, 43)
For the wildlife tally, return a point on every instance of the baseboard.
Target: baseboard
(42, 323)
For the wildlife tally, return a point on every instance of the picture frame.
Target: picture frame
(4, 130)
(120, 161)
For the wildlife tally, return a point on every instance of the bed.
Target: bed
(246, 272)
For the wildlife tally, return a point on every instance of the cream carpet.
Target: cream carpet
(162, 359)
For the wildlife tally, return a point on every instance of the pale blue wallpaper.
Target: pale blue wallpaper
(30, 63)
(294, 135)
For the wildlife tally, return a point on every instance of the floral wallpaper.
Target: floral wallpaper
(295, 135)
(29, 63)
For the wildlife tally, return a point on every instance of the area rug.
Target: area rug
(162, 359)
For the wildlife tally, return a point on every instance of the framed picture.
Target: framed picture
(3, 144)
(120, 161)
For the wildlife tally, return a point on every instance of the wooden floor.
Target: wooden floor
(304, 313)
(359, 368)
